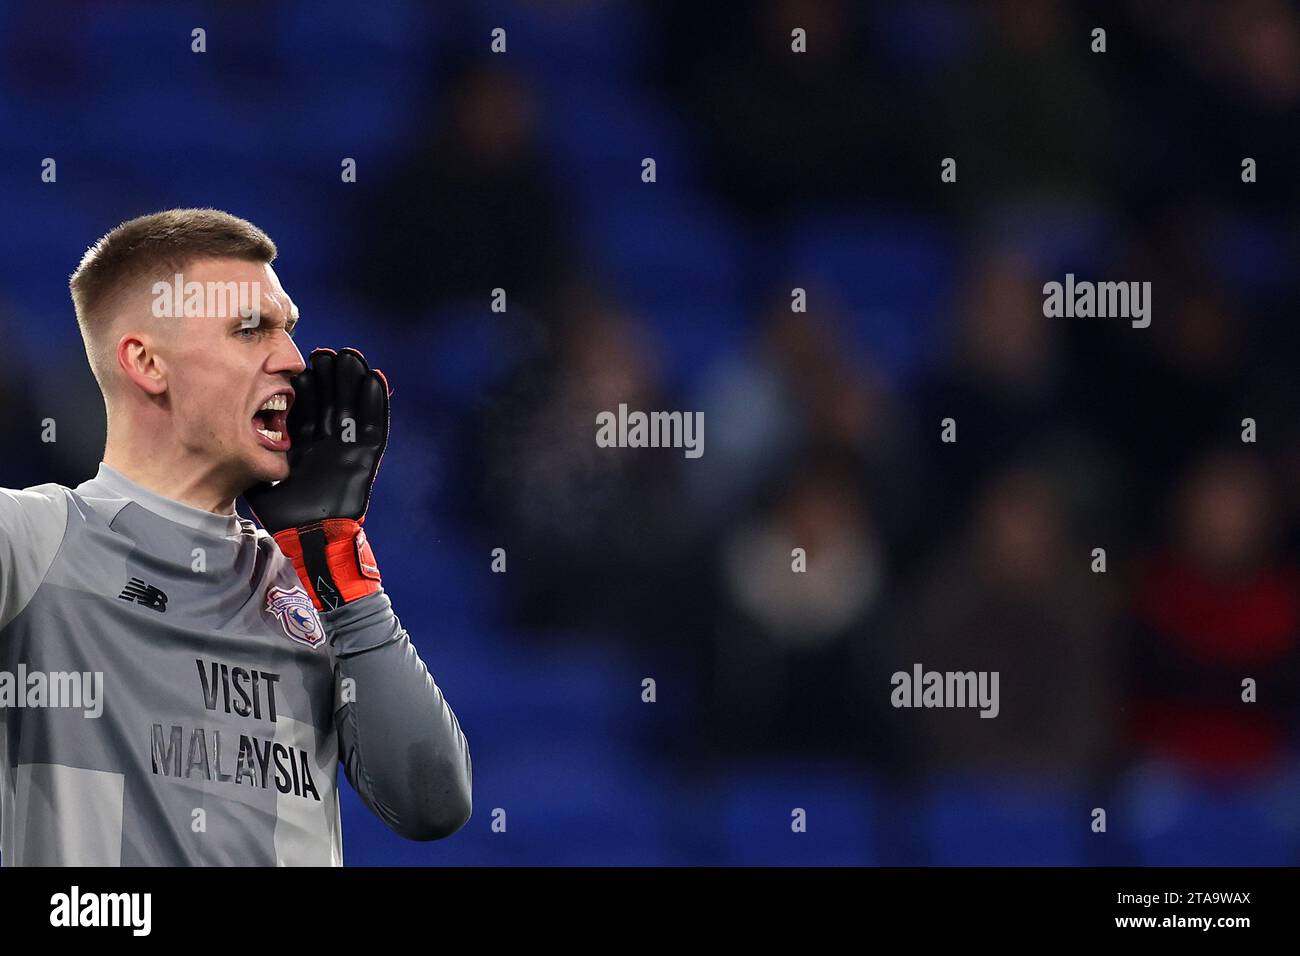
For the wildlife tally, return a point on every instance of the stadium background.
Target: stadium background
(1118, 690)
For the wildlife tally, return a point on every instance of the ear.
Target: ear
(139, 359)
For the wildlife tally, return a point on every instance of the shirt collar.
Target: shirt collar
(226, 526)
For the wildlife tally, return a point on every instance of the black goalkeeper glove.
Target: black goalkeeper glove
(338, 427)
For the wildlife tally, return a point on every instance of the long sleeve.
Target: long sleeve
(400, 743)
(31, 529)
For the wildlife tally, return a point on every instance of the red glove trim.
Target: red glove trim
(333, 559)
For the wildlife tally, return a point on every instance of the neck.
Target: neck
(154, 459)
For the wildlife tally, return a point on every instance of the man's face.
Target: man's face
(228, 374)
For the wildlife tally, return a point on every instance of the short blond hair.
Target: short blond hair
(154, 246)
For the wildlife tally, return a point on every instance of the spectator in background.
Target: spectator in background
(473, 210)
(599, 538)
(1003, 383)
(1155, 393)
(1214, 605)
(802, 391)
(778, 678)
(1016, 137)
(769, 117)
(1013, 594)
(1219, 82)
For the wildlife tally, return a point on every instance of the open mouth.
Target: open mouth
(271, 421)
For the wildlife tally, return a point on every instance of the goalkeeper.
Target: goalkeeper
(237, 666)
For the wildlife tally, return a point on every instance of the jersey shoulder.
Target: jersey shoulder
(33, 515)
(33, 523)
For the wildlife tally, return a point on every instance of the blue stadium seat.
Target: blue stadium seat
(568, 803)
(133, 45)
(744, 817)
(566, 688)
(349, 33)
(366, 115)
(58, 224)
(602, 42)
(458, 355)
(893, 274)
(1003, 822)
(1252, 251)
(1055, 234)
(546, 732)
(1170, 819)
(597, 137)
(679, 265)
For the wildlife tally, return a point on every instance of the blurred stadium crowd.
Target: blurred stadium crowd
(1119, 690)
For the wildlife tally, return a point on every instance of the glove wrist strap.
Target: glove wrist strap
(333, 560)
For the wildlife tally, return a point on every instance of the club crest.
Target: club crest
(294, 610)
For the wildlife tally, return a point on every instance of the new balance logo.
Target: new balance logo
(146, 595)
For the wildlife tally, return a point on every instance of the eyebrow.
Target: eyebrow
(266, 318)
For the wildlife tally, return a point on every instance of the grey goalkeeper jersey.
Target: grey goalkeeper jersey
(169, 696)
